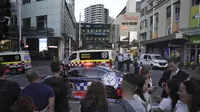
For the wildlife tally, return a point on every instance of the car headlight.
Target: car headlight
(110, 79)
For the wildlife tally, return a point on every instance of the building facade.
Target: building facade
(168, 28)
(127, 27)
(95, 36)
(96, 14)
(56, 19)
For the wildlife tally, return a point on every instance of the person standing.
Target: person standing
(128, 103)
(61, 87)
(42, 94)
(120, 62)
(173, 72)
(9, 91)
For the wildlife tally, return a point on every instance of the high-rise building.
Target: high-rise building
(106, 16)
(96, 14)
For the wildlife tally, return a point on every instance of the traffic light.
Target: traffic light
(22, 44)
(5, 14)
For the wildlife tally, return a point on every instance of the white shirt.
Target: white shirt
(174, 73)
(181, 107)
(147, 104)
(120, 58)
(166, 105)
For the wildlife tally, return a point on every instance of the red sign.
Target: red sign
(130, 18)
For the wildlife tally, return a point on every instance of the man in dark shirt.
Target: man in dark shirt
(42, 94)
(9, 91)
(173, 72)
(61, 88)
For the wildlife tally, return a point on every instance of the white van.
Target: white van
(101, 57)
(154, 60)
(15, 62)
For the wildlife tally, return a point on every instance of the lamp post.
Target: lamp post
(19, 14)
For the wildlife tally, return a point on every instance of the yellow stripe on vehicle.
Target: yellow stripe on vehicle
(7, 63)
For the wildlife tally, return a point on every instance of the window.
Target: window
(93, 73)
(168, 12)
(73, 56)
(27, 22)
(26, 2)
(94, 55)
(149, 57)
(145, 23)
(156, 21)
(177, 9)
(76, 73)
(145, 56)
(42, 21)
(195, 2)
(151, 21)
(10, 58)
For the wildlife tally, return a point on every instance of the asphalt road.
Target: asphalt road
(45, 71)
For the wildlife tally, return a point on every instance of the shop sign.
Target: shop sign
(194, 16)
(130, 18)
(194, 40)
(129, 23)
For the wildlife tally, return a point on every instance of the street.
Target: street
(45, 71)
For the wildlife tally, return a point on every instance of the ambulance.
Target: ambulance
(98, 57)
(15, 62)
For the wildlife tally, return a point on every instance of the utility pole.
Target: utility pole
(79, 30)
(19, 23)
(172, 16)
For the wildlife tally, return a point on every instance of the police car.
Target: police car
(82, 77)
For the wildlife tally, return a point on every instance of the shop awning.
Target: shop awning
(161, 39)
(190, 31)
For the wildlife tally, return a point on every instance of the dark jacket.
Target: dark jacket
(91, 107)
(180, 77)
(61, 88)
(121, 106)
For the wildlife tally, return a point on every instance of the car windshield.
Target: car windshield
(158, 57)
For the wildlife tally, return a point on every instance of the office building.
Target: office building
(51, 22)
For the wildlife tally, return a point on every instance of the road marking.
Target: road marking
(13, 77)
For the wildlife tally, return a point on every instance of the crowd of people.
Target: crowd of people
(180, 93)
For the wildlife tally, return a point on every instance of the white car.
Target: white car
(154, 60)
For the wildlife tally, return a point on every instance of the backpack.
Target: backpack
(5, 97)
(61, 99)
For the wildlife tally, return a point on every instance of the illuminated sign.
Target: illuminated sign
(129, 23)
(130, 18)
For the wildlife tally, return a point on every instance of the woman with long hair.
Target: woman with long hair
(95, 99)
(142, 94)
(168, 104)
(188, 97)
(23, 104)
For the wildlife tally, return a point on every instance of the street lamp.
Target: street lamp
(79, 39)
(19, 14)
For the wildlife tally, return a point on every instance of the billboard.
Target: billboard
(194, 16)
